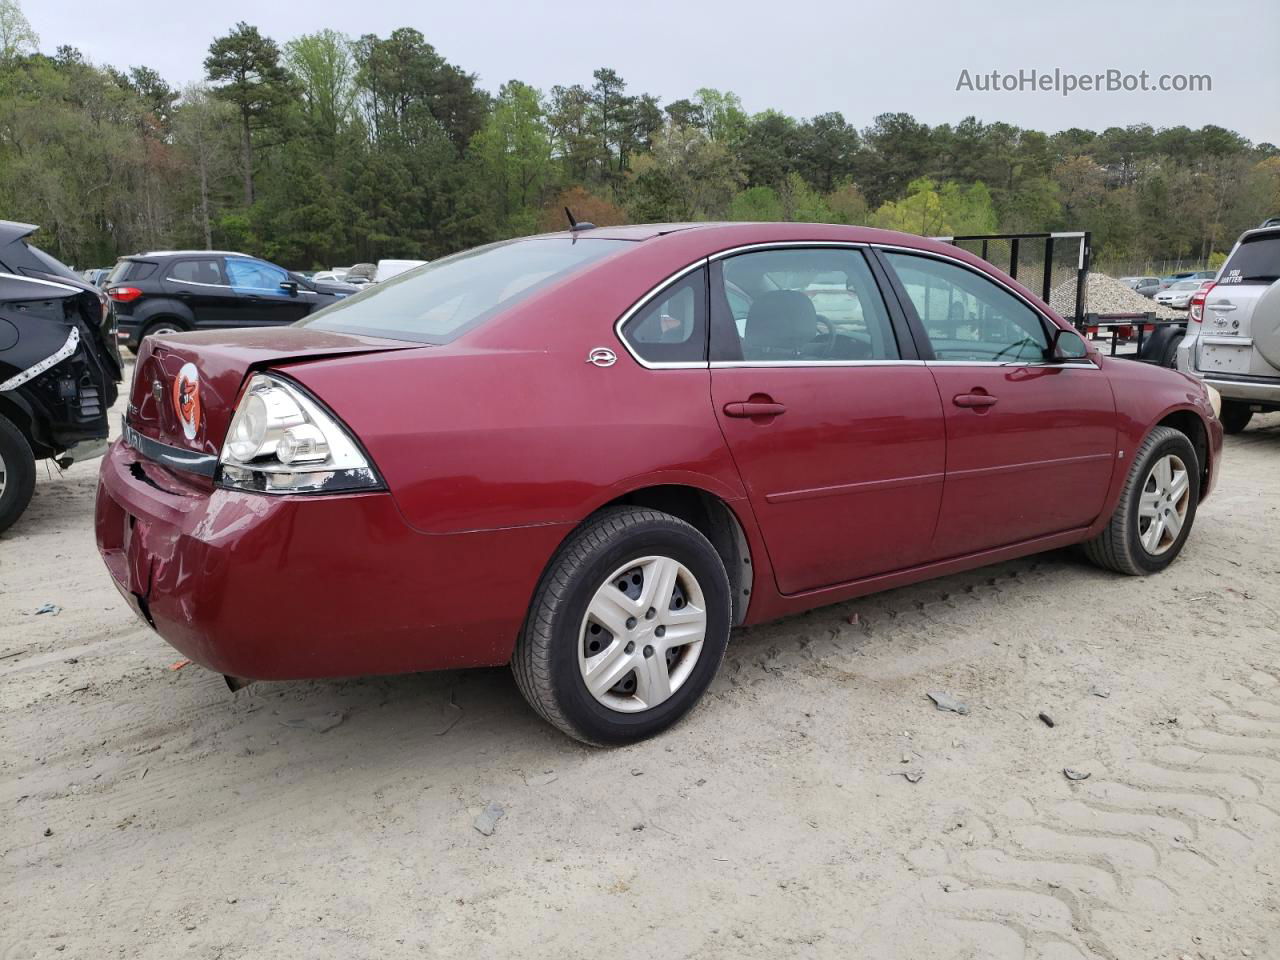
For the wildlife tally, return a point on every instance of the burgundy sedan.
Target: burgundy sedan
(592, 454)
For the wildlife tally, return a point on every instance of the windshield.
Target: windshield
(1186, 285)
(438, 302)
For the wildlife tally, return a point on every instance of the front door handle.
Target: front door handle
(753, 408)
(973, 400)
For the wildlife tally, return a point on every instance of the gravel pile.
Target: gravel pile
(1107, 295)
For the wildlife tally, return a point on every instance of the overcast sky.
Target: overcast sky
(800, 56)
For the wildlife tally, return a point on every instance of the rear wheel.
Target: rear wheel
(1156, 510)
(160, 328)
(17, 473)
(627, 627)
(1235, 416)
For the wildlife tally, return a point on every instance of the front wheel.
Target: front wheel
(17, 473)
(627, 628)
(1153, 519)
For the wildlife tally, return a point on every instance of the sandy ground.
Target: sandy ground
(146, 812)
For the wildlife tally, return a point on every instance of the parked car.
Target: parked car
(1233, 333)
(1178, 296)
(562, 453)
(393, 268)
(1147, 286)
(58, 367)
(328, 276)
(1166, 282)
(172, 291)
(95, 276)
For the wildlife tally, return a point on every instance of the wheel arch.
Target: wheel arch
(1190, 423)
(713, 517)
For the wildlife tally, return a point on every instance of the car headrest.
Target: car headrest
(780, 320)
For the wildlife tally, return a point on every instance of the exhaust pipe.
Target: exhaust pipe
(235, 683)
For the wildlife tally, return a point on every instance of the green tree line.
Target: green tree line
(329, 149)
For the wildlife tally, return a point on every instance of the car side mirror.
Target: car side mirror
(290, 287)
(1067, 345)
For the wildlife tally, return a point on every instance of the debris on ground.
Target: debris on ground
(52, 608)
(48, 831)
(179, 664)
(542, 779)
(1073, 774)
(487, 820)
(320, 723)
(913, 775)
(945, 701)
(454, 715)
(1103, 692)
(1046, 719)
(853, 620)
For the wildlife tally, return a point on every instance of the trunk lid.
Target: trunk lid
(185, 386)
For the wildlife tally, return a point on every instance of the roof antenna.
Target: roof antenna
(575, 224)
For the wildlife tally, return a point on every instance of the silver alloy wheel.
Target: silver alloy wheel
(1163, 504)
(162, 330)
(4, 475)
(642, 634)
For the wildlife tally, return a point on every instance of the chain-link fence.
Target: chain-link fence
(1054, 266)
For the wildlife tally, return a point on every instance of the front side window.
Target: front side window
(255, 276)
(672, 327)
(439, 302)
(815, 305)
(197, 271)
(967, 317)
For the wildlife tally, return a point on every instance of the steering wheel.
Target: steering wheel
(826, 341)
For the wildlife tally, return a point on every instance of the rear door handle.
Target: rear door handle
(752, 408)
(973, 400)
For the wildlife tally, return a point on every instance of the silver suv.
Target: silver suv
(1233, 330)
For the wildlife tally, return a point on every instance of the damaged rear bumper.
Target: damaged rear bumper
(282, 587)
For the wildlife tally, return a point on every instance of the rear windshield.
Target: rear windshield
(1257, 260)
(440, 301)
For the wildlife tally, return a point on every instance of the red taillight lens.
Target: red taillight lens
(1195, 311)
(124, 294)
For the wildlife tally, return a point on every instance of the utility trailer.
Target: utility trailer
(1056, 266)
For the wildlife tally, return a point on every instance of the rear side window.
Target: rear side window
(1256, 260)
(206, 271)
(672, 327)
(440, 301)
(819, 305)
(130, 270)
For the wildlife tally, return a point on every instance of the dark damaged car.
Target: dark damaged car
(59, 367)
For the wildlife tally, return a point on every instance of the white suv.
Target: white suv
(1233, 330)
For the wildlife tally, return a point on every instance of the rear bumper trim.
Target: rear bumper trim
(203, 464)
(1257, 390)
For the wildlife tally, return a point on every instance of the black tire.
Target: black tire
(545, 662)
(19, 466)
(1119, 546)
(1235, 416)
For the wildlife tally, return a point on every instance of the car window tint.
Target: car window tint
(438, 302)
(255, 276)
(816, 305)
(966, 316)
(672, 327)
(197, 271)
(1256, 260)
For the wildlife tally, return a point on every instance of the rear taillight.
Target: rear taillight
(124, 294)
(1195, 310)
(283, 441)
